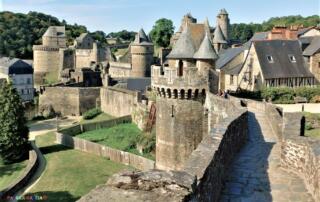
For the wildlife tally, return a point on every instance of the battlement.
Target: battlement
(45, 48)
(191, 84)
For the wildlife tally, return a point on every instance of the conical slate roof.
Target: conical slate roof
(223, 12)
(55, 31)
(206, 50)
(141, 37)
(184, 47)
(218, 36)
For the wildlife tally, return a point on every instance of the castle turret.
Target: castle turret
(46, 57)
(206, 56)
(224, 22)
(181, 90)
(141, 55)
(219, 41)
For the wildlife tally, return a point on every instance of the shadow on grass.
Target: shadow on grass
(50, 196)
(53, 149)
(9, 169)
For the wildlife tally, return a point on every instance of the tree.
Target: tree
(124, 35)
(13, 130)
(162, 32)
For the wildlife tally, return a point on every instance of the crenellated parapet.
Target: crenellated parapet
(45, 48)
(190, 84)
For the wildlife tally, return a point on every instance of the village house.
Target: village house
(312, 56)
(20, 73)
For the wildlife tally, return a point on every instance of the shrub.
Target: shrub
(308, 126)
(38, 118)
(92, 113)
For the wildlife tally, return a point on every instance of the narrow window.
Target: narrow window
(231, 79)
(270, 58)
(180, 70)
(172, 108)
(292, 58)
(318, 64)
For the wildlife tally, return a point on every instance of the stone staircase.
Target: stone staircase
(256, 175)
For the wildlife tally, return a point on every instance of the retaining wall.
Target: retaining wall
(65, 138)
(126, 158)
(23, 180)
(118, 102)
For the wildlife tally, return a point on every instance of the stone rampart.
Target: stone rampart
(70, 100)
(117, 101)
(203, 173)
(299, 154)
(23, 180)
(126, 158)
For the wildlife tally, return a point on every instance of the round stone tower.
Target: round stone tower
(46, 57)
(224, 22)
(181, 91)
(141, 55)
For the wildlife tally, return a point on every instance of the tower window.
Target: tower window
(318, 64)
(231, 79)
(292, 58)
(270, 59)
(180, 68)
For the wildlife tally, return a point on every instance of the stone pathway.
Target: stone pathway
(256, 176)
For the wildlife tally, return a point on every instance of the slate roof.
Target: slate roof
(306, 39)
(223, 12)
(15, 66)
(234, 70)
(258, 36)
(281, 67)
(303, 30)
(206, 50)
(55, 31)
(313, 48)
(227, 55)
(142, 38)
(82, 37)
(218, 36)
(184, 47)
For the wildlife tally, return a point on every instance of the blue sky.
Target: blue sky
(115, 15)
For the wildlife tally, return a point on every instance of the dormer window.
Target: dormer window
(292, 58)
(270, 59)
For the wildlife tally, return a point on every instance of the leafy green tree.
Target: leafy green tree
(124, 35)
(13, 130)
(162, 32)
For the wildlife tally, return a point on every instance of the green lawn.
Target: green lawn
(313, 133)
(100, 117)
(122, 137)
(10, 172)
(312, 124)
(69, 173)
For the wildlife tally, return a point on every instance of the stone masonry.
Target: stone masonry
(256, 174)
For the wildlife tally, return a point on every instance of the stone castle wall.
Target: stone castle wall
(118, 102)
(120, 70)
(299, 154)
(314, 66)
(70, 100)
(202, 175)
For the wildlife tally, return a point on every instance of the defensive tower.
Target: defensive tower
(181, 91)
(141, 55)
(224, 22)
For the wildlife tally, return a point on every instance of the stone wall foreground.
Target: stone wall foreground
(300, 155)
(203, 174)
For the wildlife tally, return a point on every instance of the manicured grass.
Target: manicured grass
(100, 117)
(69, 173)
(313, 121)
(9, 173)
(313, 133)
(122, 137)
